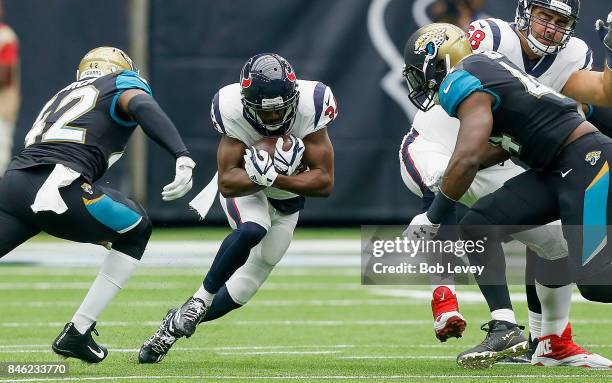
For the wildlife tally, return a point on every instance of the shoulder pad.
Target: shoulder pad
(128, 79)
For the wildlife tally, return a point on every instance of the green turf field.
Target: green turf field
(305, 325)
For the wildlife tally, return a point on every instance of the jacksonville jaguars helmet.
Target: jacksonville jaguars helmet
(525, 20)
(101, 61)
(429, 55)
(269, 93)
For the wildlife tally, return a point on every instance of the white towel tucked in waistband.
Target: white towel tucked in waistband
(48, 197)
(203, 201)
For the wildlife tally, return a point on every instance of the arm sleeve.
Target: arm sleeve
(156, 124)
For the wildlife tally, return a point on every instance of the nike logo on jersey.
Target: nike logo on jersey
(563, 174)
(99, 354)
(327, 102)
(481, 25)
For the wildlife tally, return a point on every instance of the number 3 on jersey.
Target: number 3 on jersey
(85, 97)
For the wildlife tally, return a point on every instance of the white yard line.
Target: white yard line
(303, 253)
(254, 303)
(316, 323)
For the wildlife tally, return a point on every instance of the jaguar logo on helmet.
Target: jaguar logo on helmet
(430, 54)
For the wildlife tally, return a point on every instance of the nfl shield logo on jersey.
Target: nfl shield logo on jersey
(593, 157)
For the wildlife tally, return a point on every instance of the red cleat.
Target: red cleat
(554, 350)
(448, 322)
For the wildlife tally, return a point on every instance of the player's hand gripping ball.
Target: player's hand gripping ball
(287, 151)
(259, 166)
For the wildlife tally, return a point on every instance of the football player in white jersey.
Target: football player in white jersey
(260, 194)
(541, 42)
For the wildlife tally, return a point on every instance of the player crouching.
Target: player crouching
(260, 194)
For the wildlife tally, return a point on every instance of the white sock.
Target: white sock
(204, 295)
(504, 314)
(450, 287)
(555, 308)
(116, 269)
(535, 324)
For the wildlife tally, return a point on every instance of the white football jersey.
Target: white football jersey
(316, 109)
(498, 35)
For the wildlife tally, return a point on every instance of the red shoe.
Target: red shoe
(554, 350)
(448, 322)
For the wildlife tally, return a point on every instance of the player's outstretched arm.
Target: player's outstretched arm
(233, 179)
(592, 87)
(143, 109)
(319, 157)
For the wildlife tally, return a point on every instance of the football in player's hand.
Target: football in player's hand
(268, 144)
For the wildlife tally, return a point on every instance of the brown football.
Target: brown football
(268, 144)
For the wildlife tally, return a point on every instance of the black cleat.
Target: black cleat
(526, 358)
(72, 344)
(158, 345)
(503, 340)
(189, 316)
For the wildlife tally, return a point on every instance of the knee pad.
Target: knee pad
(134, 242)
(245, 282)
(251, 233)
(242, 288)
(596, 293)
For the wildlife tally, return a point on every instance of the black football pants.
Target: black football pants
(96, 214)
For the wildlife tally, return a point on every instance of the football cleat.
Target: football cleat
(503, 340)
(158, 345)
(448, 322)
(554, 350)
(523, 359)
(72, 344)
(189, 316)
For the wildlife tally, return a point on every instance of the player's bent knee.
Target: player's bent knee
(596, 293)
(134, 242)
(243, 288)
(251, 233)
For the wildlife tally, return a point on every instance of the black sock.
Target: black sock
(232, 254)
(533, 302)
(492, 281)
(221, 305)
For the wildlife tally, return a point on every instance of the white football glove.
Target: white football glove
(183, 180)
(287, 161)
(421, 228)
(260, 167)
(604, 29)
